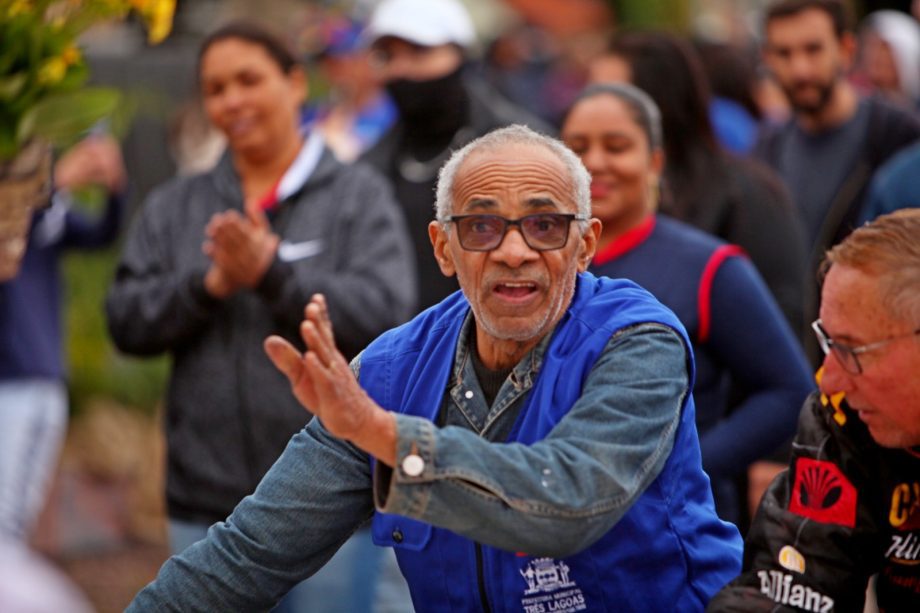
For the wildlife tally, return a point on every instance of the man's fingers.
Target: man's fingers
(318, 312)
(285, 357)
(317, 344)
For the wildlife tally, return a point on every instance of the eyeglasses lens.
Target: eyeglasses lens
(848, 360)
(541, 232)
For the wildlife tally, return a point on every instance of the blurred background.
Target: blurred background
(104, 522)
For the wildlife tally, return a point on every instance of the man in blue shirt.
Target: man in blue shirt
(527, 443)
(828, 151)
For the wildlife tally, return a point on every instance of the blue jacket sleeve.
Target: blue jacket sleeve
(82, 232)
(314, 497)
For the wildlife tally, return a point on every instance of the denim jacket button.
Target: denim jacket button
(413, 465)
(397, 536)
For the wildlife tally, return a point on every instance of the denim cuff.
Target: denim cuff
(406, 488)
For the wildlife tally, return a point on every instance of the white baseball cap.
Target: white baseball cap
(424, 22)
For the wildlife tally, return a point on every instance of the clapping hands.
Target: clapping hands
(241, 251)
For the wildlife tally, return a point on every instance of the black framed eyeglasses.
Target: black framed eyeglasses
(541, 232)
(849, 356)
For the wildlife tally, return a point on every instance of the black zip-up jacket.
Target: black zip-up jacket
(845, 510)
(229, 412)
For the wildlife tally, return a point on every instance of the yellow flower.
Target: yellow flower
(52, 71)
(159, 19)
(19, 7)
(71, 55)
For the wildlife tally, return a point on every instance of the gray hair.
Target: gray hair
(887, 248)
(513, 135)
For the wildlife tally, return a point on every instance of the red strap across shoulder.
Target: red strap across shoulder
(627, 241)
(704, 292)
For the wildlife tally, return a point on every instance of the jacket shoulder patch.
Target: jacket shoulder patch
(823, 493)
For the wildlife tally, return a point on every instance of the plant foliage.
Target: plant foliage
(42, 69)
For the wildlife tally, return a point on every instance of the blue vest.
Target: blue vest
(669, 552)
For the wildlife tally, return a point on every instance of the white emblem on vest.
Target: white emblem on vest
(545, 578)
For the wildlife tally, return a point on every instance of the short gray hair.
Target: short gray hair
(513, 135)
(887, 248)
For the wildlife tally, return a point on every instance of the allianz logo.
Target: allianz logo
(779, 586)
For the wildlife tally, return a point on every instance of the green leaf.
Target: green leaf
(11, 85)
(64, 117)
(8, 145)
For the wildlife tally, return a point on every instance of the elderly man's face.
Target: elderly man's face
(887, 392)
(517, 293)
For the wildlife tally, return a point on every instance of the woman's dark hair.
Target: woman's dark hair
(667, 69)
(252, 33)
(643, 108)
(732, 72)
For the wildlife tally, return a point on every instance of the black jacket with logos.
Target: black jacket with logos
(845, 510)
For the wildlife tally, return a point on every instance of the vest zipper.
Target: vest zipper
(483, 599)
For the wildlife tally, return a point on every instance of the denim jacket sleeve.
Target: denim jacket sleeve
(314, 497)
(576, 483)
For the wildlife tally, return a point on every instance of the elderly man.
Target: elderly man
(528, 443)
(849, 505)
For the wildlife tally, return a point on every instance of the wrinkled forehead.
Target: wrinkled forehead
(509, 176)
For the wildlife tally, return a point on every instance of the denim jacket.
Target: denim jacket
(319, 491)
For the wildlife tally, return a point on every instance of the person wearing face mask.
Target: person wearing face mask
(737, 330)
(419, 48)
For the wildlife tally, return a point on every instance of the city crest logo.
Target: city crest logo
(550, 589)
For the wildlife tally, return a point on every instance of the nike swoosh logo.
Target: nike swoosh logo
(289, 252)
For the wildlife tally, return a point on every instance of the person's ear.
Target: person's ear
(298, 80)
(587, 243)
(657, 161)
(440, 242)
(847, 51)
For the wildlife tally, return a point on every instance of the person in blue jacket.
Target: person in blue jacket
(33, 389)
(528, 443)
(894, 185)
(751, 374)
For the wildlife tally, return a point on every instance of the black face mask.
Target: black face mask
(432, 107)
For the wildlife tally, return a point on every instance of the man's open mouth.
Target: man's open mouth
(515, 289)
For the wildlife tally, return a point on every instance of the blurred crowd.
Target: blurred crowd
(307, 161)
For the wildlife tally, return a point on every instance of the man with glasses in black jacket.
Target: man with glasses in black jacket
(849, 505)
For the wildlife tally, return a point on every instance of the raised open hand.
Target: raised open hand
(323, 382)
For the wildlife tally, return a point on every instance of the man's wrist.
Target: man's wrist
(378, 436)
